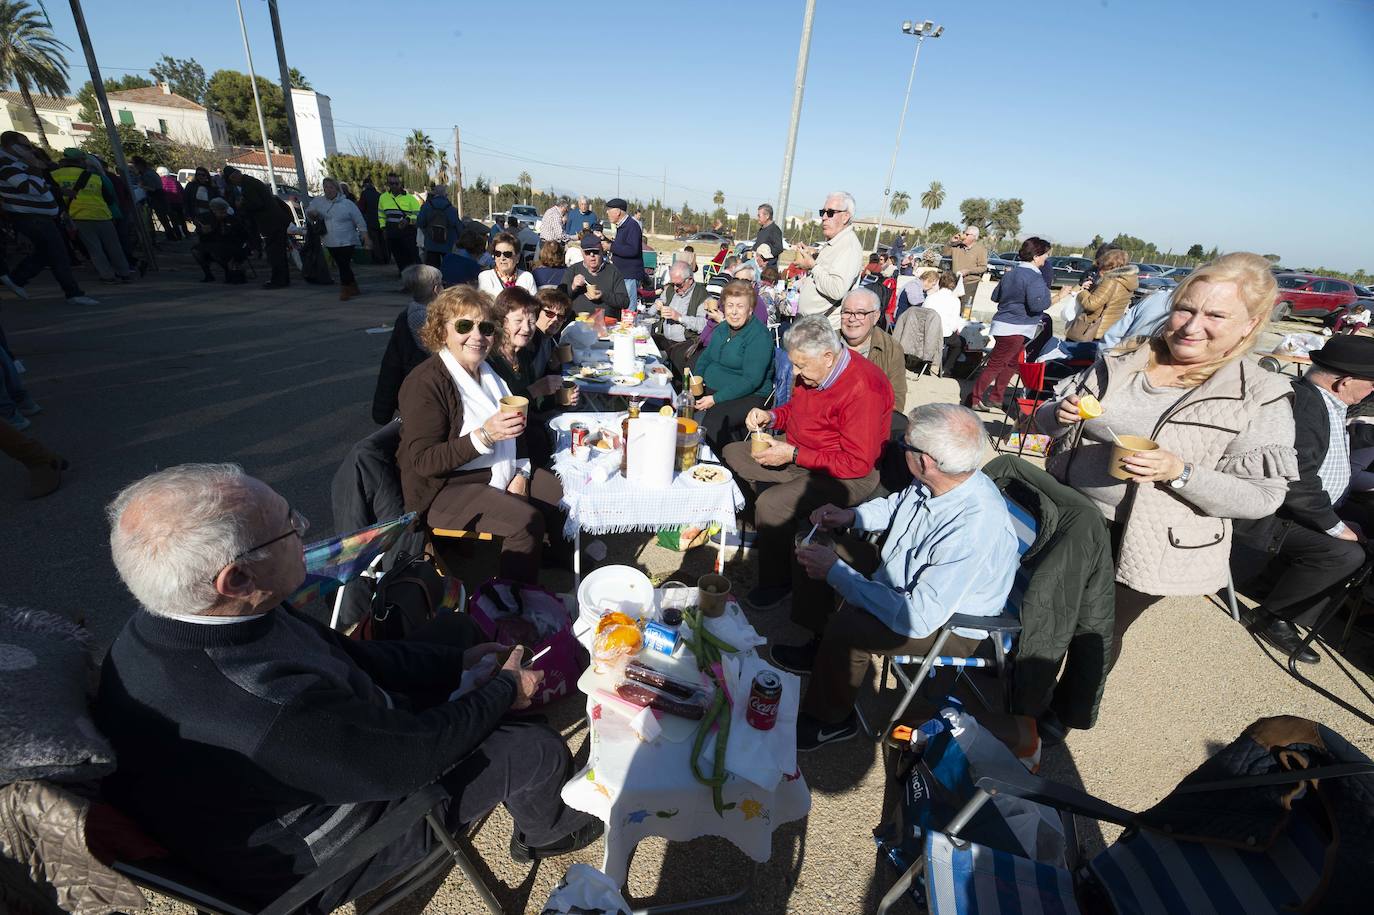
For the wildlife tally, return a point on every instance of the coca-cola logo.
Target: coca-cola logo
(763, 706)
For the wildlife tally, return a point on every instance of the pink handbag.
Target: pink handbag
(516, 614)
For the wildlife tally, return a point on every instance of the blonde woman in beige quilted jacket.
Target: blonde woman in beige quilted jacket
(1224, 427)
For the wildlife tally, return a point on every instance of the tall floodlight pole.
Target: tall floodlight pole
(798, 89)
(922, 31)
(116, 147)
(257, 102)
(301, 184)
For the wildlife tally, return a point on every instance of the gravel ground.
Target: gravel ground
(169, 370)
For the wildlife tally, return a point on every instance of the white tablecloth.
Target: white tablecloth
(614, 505)
(647, 789)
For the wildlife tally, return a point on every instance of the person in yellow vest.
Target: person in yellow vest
(397, 211)
(85, 195)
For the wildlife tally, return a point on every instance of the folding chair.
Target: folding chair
(1031, 376)
(331, 564)
(170, 878)
(1002, 630)
(782, 379)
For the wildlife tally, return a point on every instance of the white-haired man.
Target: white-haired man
(948, 547)
(835, 265)
(253, 742)
(825, 448)
(682, 307)
(969, 261)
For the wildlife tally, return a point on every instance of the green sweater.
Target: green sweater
(738, 363)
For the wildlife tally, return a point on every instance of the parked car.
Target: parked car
(1305, 294)
(708, 236)
(527, 215)
(1069, 270)
(1178, 273)
(1364, 292)
(999, 264)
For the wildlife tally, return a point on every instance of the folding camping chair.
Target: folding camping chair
(1002, 629)
(1031, 376)
(782, 379)
(332, 564)
(169, 878)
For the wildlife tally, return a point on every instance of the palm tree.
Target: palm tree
(298, 80)
(441, 166)
(900, 202)
(420, 151)
(31, 56)
(526, 182)
(932, 199)
(718, 198)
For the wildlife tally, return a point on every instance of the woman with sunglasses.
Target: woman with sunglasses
(459, 464)
(505, 271)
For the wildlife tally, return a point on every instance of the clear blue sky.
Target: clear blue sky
(1246, 125)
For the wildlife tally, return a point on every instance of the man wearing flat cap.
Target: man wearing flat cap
(594, 284)
(1315, 552)
(627, 248)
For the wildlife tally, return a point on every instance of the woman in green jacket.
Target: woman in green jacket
(736, 368)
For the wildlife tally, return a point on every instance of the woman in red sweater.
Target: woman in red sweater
(826, 443)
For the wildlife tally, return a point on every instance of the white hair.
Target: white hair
(847, 197)
(741, 270)
(680, 269)
(951, 434)
(867, 296)
(812, 336)
(189, 522)
(971, 230)
(421, 281)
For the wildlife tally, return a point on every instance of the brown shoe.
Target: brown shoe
(348, 292)
(44, 479)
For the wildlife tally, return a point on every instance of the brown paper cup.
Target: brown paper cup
(712, 592)
(515, 404)
(696, 386)
(565, 393)
(565, 353)
(1130, 444)
(759, 442)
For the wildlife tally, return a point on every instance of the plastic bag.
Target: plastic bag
(585, 890)
(1069, 309)
(510, 613)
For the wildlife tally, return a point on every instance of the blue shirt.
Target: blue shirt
(577, 221)
(943, 554)
(1142, 320)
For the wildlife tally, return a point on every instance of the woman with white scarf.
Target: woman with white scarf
(460, 467)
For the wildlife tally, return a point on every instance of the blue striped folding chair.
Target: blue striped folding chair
(331, 564)
(1002, 630)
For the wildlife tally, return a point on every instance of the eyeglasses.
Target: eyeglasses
(908, 447)
(299, 524)
(504, 253)
(465, 326)
(857, 315)
(552, 313)
(828, 213)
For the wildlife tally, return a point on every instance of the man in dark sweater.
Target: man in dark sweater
(627, 248)
(769, 234)
(594, 283)
(269, 218)
(254, 743)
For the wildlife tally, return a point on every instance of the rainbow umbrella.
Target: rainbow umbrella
(331, 564)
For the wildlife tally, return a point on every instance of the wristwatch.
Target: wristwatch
(1181, 480)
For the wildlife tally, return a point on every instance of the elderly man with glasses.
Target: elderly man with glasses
(835, 265)
(253, 741)
(969, 260)
(595, 283)
(947, 546)
(681, 307)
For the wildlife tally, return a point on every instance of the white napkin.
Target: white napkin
(733, 628)
(475, 676)
(646, 726)
(586, 889)
(762, 757)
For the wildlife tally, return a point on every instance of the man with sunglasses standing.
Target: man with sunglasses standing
(835, 265)
(254, 742)
(948, 547)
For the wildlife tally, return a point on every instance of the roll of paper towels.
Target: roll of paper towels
(623, 354)
(653, 446)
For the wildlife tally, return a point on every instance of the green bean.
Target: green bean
(722, 736)
(704, 729)
(719, 643)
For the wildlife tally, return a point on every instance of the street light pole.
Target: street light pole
(302, 183)
(257, 102)
(798, 89)
(922, 31)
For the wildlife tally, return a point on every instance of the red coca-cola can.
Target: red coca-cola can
(764, 696)
(579, 438)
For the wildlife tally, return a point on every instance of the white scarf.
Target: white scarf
(481, 398)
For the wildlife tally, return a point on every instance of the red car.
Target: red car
(1304, 294)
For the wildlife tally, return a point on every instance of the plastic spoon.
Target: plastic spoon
(815, 527)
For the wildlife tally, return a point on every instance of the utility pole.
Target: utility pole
(301, 183)
(798, 89)
(116, 147)
(922, 31)
(458, 166)
(257, 102)
(617, 180)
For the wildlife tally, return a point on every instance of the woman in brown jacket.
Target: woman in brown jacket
(1107, 300)
(458, 458)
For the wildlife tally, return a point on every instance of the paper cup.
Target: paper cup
(565, 353)
(1130, 444)
(697, 388)
(515, 404)
(712, 593)
(820, 538)
(565, 393)
(759, 442)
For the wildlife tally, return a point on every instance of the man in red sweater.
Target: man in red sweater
(834, 426)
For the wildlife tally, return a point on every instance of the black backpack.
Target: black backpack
(406, 597)
(438, 229)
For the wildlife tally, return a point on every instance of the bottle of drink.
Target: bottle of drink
(685, 403)
(631, 413)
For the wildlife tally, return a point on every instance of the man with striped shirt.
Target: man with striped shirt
(28, 203)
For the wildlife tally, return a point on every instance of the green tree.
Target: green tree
(718, 198)
(525, 182)
(231, 94)
(1006, 216)
(1195, 252)
(1095, 243)
(135, 143)
(353, 169)
(901, 201)
(441, 166)
(186, 77)
(419, 151)
(932, 199)
(976, 211)
(90, 107)
(298, 80)
(941, 230)
(31, 56)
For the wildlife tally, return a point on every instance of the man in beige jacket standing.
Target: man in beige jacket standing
(835, 264)
(969, 262)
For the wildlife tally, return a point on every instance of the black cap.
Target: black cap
(1347, 355)
(617, 202)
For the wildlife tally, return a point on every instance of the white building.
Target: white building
(159, 110)
(254, 163)
(57, 114)
(315, 130)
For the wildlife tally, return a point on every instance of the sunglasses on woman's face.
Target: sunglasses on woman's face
(552, 313)
(504, 253)
(465, 326)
